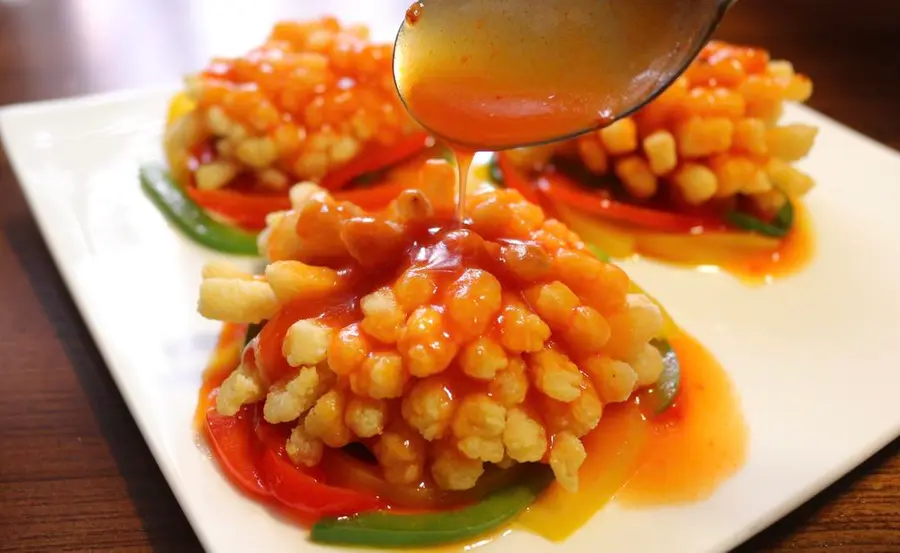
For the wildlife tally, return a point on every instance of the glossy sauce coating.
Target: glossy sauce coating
(494, 313)
(638, 461)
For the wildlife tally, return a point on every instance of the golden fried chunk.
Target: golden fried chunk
(714, 134)
(303, 104)
(475, 350)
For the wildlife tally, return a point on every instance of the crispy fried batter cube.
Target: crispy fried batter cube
(482, 359)
(348, 349)
(478, 415)
(414, 289)
(236, 300)
(615, 380)
(524, 436)
(647, 364)
(287, 402)
(306, 343)
(424, 344)
(241, 387)
(521, 330)
(601, 285)
(452, 470)
(383, 318)
(567, 454)
(401, 453)
(303, 449)
(473, 301)
(326, 419)
(529, 262)
(366, 416)
(578, 417)
(554, 302)
(373, 241)
(381, 376)
(428, 407)
(555, 375)
(587, 331)
(510, 386)
(293, 281)
(633, 326)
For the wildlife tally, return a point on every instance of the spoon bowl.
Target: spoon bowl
(499, 74)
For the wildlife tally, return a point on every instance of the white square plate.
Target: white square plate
(815, 357)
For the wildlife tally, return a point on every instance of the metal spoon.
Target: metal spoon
(498, 74)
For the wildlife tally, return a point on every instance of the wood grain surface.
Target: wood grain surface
(75, 474)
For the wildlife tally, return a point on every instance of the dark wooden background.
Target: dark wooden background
(75, 474)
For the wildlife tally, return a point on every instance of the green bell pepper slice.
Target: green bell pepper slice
(779, 227)
(170, 198)
(385, 529)
(662, 394)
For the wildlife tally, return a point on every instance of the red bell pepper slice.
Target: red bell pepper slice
(557, 187)
(561, 188)
(299, 491)
(515, 179)
(373, 197)
(272, 364)
(246, 209)
(235, 446)
(250, 452)
(375, 157)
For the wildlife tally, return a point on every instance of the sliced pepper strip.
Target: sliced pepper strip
(374, 157)
(248, 210)
(301, 492)
(659, 397)
(250, 452)
(420, 530)
(779, 227)
(373, 197)
(509, 175)
(177, 207)
(554, 186)
(234, 444)
(557, 186)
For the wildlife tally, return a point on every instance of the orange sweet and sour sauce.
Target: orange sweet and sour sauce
(489, 74)
(638, 459)
(679, 456)
(752, 258)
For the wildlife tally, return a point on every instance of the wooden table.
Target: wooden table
(75, 474)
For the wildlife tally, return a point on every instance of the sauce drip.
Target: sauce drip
(414, 13)
(793, 253)
(463, 163)
(493, 74)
